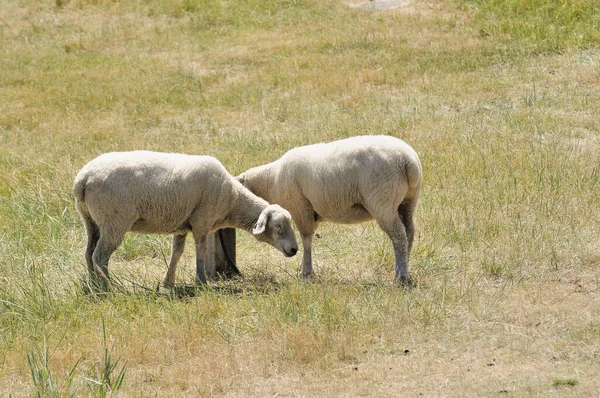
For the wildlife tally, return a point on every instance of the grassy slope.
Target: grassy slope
(500, 99)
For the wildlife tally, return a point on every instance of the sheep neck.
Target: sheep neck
(259, 180)
(245, 210)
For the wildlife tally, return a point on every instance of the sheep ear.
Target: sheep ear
(261, 224)
(241, 178)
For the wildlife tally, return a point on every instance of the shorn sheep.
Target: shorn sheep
(347, 181)
(151, 192)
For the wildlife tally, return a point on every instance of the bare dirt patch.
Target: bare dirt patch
(382, 5)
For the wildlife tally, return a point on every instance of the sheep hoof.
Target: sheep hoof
(406, 281)
(96, 285)
(307, 277)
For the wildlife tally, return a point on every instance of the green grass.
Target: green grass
(499, 98)
(540, 26)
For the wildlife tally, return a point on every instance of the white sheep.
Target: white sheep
(151, 192)
(347, 181)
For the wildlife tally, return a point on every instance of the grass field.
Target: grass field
(501, 100)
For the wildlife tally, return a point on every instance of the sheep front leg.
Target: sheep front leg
(176, 252)
(200, 254)
(306, 224)
(307, 255)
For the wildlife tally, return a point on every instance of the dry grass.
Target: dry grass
(501, 102)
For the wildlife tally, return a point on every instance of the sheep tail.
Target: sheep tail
(413, 173)
(79, 189)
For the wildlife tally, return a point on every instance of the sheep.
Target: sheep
(153, 192)
(346, 181)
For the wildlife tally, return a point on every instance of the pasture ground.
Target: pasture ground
(501, 100)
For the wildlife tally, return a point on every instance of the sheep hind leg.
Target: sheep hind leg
(406, 211)
(93, 234)
(176, 252)
(105, 247)
(398, 234)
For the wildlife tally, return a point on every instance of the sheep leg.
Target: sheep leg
(307, 255)
(105, 247)
(397, 233)
(307, 226)
(405, 211)
(176, 252)
(93, 233)
(200, 254)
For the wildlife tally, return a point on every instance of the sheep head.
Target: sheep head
(274, 226)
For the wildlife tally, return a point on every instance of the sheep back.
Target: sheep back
(340, 175)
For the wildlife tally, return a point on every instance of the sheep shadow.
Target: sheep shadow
(254, 285)
(236, 286)
(231, 287)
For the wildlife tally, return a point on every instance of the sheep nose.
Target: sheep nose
(293, 251)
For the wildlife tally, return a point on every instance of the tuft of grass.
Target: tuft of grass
(104, 378)
(565, 382)
(44, 381)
